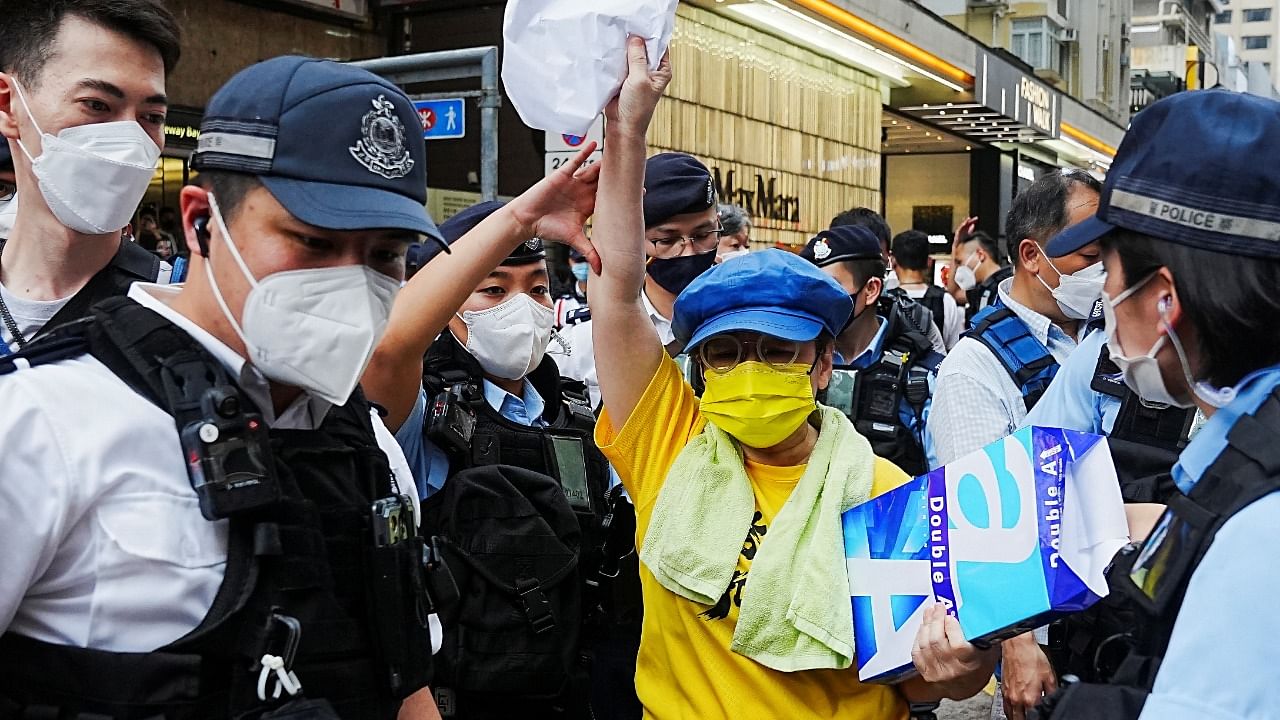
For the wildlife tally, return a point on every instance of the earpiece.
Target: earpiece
(1165, 303)
(201, 227)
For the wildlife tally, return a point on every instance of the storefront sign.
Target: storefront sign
(761, 199)
(182, 128)
(1003, 88)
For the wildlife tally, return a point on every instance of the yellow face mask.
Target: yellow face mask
(757, 404)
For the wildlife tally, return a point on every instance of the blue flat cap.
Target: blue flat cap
(6, 159)
(1216, 193)
(772, 292)
(339, 147)
(840, 243)
(675, 184)
(464, 222)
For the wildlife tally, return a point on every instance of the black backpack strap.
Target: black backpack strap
(131, 264)
(935, 299)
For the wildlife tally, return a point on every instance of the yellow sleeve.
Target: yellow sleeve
(887, 476)
(664, 421)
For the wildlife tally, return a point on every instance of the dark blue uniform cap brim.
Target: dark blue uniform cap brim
(351, 207)
(1077, 236)
(767, 320)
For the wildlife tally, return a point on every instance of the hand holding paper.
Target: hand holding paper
(563, 60)
(632, 109)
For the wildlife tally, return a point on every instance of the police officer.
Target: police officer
(484, 394)
(222, 527)
(82, 92)
(977, 269)
(1199, 583)
(8, 189)
(571, 306)
(682, 232)
(883, 364)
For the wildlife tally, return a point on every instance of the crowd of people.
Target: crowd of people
(358, 465)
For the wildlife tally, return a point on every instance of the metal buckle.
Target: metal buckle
(537, 608)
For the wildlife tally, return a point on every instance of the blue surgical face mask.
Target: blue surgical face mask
(580, 271)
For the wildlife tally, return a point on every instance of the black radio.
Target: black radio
(450, 420)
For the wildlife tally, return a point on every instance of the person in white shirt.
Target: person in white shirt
(211, 485)
(1038, 320)
(682, 232)
(82, 106)
(910, 258)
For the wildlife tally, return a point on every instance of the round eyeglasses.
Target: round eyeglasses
(725, 352)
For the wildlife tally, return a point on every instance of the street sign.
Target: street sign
(442, 119)
(573, 143)
(555, 161)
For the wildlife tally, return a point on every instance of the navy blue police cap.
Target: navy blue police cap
(773, 292)
(675, 184)
(465, 221)
(840, 243)
(1199, 168)
(339, 147)
(6, 159)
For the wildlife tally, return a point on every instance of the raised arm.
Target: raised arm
(555, 209)
(626, 344)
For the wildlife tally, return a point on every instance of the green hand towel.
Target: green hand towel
(795, 611)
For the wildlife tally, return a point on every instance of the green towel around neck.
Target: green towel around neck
(795, 612)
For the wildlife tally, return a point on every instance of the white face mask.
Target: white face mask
(1078, 292)
(312, 329)
(8, 211)
(509, 340)
(726, 257)
(966, 279)
(1142, 373)
(891, 280)
(93, 176)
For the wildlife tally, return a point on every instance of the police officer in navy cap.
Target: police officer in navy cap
(883, 364)
(470, 391)
(1175, 220)
(682, 232)
(571, 307)
(218, 504)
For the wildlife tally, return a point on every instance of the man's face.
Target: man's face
(671, 239)
(971, 255)
(864, 293)
(93, 75)
(503, 284)
(272, 240)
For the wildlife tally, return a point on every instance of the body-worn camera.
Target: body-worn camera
(450, 420)
(229, 457)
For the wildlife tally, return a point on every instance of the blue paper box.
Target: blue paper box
(1009, 537)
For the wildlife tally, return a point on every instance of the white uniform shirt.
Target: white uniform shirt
(974, 400)
(103, 542)
(576, 358)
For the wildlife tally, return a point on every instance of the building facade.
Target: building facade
(1247, 34)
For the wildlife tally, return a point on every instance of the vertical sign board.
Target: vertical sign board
(442, 119)
(1003, 88)
(561, 148)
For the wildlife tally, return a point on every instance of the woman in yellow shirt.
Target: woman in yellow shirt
(732, 463)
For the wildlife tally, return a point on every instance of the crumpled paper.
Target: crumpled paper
(564, 60)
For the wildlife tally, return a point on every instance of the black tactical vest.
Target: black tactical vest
(304, 576)
(1150, 580)
(873, 397)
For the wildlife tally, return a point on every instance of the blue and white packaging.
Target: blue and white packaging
(1009, 537)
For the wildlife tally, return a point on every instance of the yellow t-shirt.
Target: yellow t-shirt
(685, 667)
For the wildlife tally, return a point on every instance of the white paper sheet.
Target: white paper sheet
(564, 60)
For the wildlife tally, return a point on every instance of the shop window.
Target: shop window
(1222, 18)
(1257, 15)
(1256, 42)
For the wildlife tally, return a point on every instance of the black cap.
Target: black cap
(843, 242)
(576, 256)
(464, 222)
(675, 184)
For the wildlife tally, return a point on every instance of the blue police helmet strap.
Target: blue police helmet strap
(676, 274)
